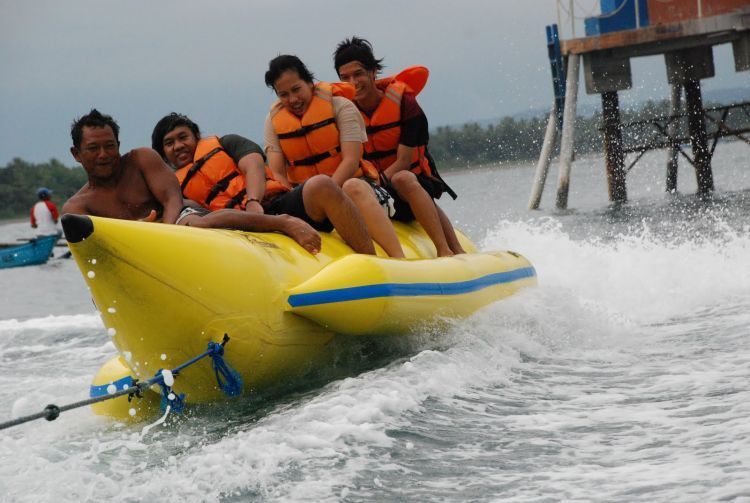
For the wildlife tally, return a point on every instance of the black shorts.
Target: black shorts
(402, 210)
(290, 203)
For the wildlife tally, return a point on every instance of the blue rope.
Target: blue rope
(228, 379)
(176, 402)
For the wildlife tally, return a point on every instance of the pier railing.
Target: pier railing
(672, 131)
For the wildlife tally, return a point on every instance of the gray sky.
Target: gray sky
(141, 59)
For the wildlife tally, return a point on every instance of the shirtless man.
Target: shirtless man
(139, 186)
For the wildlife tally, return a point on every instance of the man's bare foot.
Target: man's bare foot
(299, 230)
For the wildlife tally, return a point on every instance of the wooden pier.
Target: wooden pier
(687, 46)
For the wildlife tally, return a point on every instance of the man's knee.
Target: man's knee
(405, 181)
(320, 187)
(319, 183)
(356, 188)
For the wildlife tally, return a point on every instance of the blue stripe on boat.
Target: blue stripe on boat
(101, 390)
(408, 289)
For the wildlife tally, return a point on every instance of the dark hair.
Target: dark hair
(93, 119)
(284, 62)
(169, 123)
(356, 49)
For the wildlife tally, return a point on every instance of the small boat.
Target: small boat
(35, 251)
(167, 292)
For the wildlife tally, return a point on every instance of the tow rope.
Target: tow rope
(228, 380)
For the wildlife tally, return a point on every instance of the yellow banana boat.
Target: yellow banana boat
(164, 292)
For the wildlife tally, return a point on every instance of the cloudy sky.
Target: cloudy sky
(140, 59)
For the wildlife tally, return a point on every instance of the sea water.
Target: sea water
(622, 377)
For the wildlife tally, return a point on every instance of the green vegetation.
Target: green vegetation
(19, 181)
(508, 140)
(512, 139)
(518, 139)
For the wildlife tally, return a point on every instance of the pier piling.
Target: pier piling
(631, 29)
(698, 138)
(672, 161)
(568, 131)
(613, 154)
(545, 158)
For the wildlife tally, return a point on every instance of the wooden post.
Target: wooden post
(568, 131)
(698, 138)
(614, 156)
(542, 166)
(674, 109)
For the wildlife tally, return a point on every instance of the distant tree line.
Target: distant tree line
(521, 139)
(507, 140)
(19, 181)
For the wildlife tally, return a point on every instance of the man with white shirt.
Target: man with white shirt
(44, 214)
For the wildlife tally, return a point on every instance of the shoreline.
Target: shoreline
(12, 220)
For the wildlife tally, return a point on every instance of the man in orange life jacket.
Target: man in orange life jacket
(228, 173)
(398, 134)
(139, 186)
(312, 130)
(216, 173)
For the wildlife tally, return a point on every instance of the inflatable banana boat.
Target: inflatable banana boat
(166, 292)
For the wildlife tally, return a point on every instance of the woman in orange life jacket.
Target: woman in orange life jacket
(313, 130)
(398, 133)
(218, 195)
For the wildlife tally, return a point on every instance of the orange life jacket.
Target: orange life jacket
(213, 180)
(384, 125)
(311, 144)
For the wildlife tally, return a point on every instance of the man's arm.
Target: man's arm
(252, 168)
(75, 205)
(403, 161)
(161, 182)
(295, 228)
(53, 210)
(248, 157)
(414, 134)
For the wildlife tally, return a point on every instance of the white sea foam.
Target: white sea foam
(51, 323)
(638, 275)
(622, 377)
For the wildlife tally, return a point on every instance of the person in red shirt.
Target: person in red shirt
(44, 214)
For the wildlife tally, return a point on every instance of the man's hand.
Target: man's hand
(151, 217)
(254, 207)
(299, 230)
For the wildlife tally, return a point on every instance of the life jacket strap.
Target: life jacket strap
(315, 159)
(236, 200)
(378, 154)
(220, 186)
(447, 188)
(304, 130)
(197, 165)
(382, 127)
